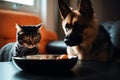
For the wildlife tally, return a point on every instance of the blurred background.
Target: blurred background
(47, 10)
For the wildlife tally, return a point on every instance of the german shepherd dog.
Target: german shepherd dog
(83, 36)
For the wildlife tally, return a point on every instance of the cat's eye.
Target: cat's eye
(24, 41)
(37, 40)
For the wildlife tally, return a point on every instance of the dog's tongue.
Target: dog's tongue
(72, 41)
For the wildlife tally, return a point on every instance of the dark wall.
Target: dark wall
(107, 10)
(111, 10)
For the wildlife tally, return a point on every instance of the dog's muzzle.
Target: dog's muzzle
(73, 40)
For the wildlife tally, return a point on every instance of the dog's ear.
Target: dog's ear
(85, 8)
(63, 8)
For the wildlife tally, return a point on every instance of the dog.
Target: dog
(83, 36)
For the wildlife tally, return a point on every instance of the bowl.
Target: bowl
(44, 63)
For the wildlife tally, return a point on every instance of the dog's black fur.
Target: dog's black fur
(83, 36)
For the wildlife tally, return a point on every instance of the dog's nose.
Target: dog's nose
(72, 40)
(68, 42)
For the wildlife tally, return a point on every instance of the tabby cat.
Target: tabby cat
(27, 39)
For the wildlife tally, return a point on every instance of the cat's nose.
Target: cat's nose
(31, 43)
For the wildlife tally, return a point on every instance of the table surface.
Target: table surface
(85, 70)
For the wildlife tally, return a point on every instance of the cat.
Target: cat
(27, 40)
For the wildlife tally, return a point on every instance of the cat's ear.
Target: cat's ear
(38, 26)
(18, 27)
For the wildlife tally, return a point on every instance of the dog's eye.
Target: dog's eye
(79, 27)
(67, 27)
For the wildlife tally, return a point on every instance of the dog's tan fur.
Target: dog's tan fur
(89, 34)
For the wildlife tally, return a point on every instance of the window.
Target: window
(31, 6)
(26, 2)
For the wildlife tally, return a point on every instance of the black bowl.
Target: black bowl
(44, 63)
